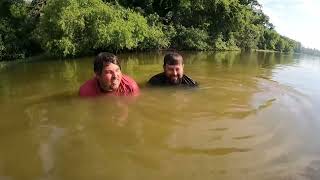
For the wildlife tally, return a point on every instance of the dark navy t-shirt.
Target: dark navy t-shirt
(162, 80)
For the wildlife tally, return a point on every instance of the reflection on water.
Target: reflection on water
(254, 116)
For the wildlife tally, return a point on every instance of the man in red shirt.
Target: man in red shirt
(108, 79)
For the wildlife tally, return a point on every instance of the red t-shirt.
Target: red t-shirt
(127, 87)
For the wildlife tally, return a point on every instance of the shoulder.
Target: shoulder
(89, 88)
(129, 80)
(189, 82)
(157, 79)
(130, 83)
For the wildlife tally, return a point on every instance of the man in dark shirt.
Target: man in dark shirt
(173, 73)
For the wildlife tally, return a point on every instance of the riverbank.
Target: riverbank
(265, 50)
(124, 26)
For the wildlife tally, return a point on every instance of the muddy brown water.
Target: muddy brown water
(254, 116)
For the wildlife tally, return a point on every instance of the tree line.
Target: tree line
(310, 51)
(72, 28)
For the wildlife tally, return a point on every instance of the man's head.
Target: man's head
(173, 67)
(108, 71)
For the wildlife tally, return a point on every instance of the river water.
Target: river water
(254, 116)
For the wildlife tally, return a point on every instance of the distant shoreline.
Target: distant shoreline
(45, 55)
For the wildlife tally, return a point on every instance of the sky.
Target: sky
(296, 19)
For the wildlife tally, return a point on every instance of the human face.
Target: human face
(174, 73)
(110, 77)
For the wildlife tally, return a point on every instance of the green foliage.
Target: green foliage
(212, 24)
(77, 27)
(269, 39)
(280, 45)
(16, 40)
(219, 43)
(68, 28)
(225, 44)
(8, 40)
(191, 38)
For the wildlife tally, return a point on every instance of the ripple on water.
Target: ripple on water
(210, 152)
(271, 131)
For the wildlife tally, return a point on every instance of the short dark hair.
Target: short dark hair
(172, 58)
(103, 59)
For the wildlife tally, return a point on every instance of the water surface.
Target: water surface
(254, 116)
